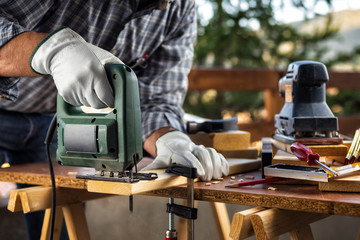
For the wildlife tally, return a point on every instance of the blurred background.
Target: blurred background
(241, 34)
(271, 34)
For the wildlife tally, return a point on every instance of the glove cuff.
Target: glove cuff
(39, 59)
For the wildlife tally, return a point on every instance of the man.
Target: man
(39, 56)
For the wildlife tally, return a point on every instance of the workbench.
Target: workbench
(304, 198)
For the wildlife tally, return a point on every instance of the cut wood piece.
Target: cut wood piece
(39, 198)
(224, 141)
(240, 165)
(346, 183)
(221, 218)
(250, 152)
(57, 224)
(287, 158)
(164, 180)
(322, 150)
(75, 220)
(273, 222)
(241, 227)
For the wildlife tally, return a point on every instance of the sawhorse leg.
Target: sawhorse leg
(271, 223)
(69, 206)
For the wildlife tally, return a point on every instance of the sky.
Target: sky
(288, 13)
(291, 14)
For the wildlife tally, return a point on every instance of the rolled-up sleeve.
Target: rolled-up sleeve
(164, 86)
(8, 30)
(15, 18)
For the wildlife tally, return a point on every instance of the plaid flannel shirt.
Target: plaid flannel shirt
(126, 29)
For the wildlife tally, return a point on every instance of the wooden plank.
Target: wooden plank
(240, 79)
(224, 141)
(346, 183)
(164, 180)
(39, 198)
(75, 220)
(221, 218)
(271, 223)
(250, 79)
(322, 150)
(38, 174)
(59, 217)
(241, 165)
(250, 152)
(241, 227)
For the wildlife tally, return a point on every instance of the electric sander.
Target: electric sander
(305, 116)
(110, 142)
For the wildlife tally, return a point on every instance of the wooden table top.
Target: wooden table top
(306, 198)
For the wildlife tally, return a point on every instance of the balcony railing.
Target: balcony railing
(266, 80)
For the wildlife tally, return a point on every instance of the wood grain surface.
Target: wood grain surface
(306, 198)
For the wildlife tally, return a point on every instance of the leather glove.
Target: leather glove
(77, 68)
(177, 147)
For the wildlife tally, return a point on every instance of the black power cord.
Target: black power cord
(49, 136)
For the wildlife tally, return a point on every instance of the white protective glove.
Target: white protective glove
(77, 68)
(177, 147)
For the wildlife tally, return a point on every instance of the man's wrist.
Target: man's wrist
(149, 144)
(15, 55)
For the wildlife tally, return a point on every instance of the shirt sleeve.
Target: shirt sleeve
(9, 28)
(15, 17)
(163, 83)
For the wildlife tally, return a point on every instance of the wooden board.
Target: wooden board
(224, 141)
(346, 183)
(164, 180)
(287, 158)
(250, 152)
(330, 152)
(240, 165)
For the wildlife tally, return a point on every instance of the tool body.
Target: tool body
(111, 142)
(305, 116)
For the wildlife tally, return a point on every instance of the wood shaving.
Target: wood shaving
(249, 177)
(271, 188)
(232, 177)
(231, 180)
(216, 182)
(240, 180)
(207, 184)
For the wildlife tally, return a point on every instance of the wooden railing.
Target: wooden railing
(266, 80)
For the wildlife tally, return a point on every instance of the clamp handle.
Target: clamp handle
(182, 170)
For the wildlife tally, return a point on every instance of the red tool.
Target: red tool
(256, 182)
(304, 153)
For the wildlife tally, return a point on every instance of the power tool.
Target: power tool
(110, 142)
(305, 116)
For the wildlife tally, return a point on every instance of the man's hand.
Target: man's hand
(77, 68)
(177, 147)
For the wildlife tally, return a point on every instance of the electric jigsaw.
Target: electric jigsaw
(110, 142)
(305, 116)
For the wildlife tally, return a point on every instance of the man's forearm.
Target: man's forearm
(15, 55)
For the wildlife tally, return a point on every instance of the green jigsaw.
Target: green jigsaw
(109, 142)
